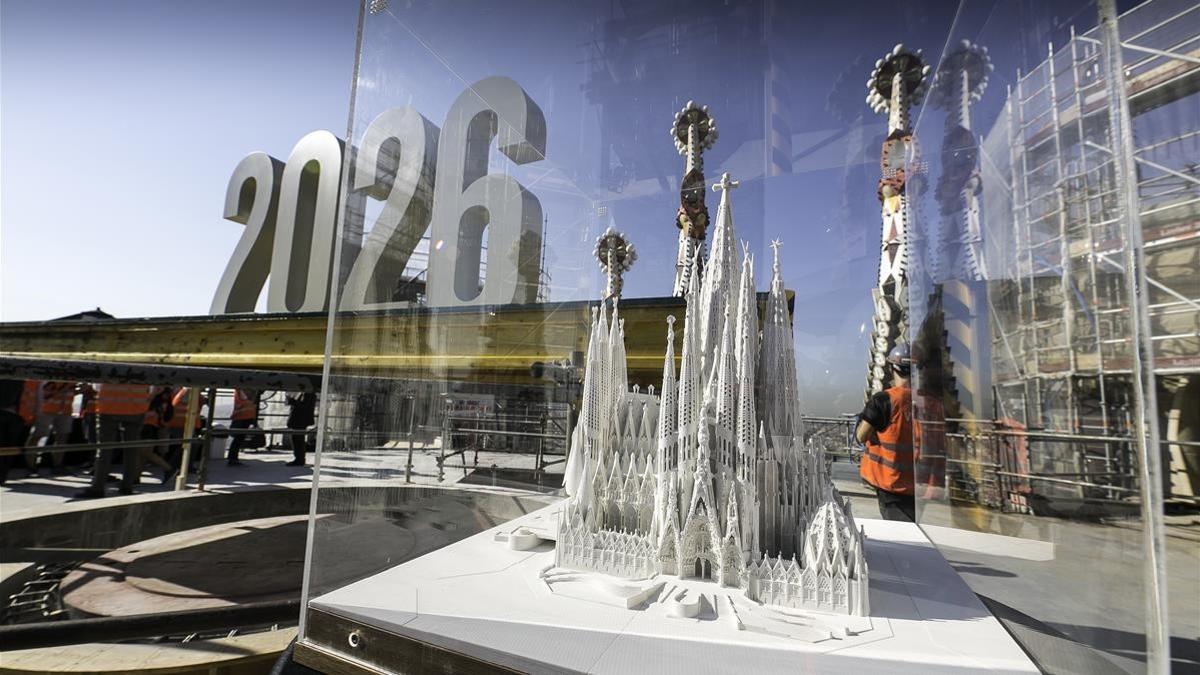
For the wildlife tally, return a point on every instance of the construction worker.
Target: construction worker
(87, 411)
(179, 403)
(27, 408)
(53, 420)
(886, 428)
(154, 427)
(12, 427)
(301, 415)
(122, 410)
(245, 414)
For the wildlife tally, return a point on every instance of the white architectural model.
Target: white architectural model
(712, 480)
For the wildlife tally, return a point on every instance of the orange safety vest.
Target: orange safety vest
(57, 398)
(28, 405)
(122, 399)
(244, 405)
(180, 401)
(888, 464)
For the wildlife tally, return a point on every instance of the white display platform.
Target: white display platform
(484, 598)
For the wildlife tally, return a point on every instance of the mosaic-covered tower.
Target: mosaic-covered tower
(960, 81)
(958, 268)
(616, 255)
(694, 131)
(896, 84)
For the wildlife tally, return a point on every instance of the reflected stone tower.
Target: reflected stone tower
(896, 84)
(694, 131)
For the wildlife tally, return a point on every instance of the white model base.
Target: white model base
(497, 596)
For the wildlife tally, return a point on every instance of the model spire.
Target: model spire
(668, 456)
(747, 357)
(690, 393)
(779, 397)
(720, 276)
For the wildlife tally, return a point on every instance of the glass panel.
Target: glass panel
(1166, 140)
(1022, 329)
(507, 162)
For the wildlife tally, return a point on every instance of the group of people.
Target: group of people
(38, 417)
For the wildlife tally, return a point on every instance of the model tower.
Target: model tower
(896, 84)
(694, 131)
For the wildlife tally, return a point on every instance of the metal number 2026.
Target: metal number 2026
(290, 210)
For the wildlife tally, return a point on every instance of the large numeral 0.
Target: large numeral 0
(467, 199)
(302, 256)
(251, 199)
(395, 163)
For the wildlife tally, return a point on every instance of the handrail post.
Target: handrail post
(189, 427)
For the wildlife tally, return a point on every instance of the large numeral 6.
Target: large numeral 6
(467, 199)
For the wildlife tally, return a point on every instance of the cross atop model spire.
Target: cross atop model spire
(726, 183)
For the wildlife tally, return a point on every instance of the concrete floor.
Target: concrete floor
(1083, 579)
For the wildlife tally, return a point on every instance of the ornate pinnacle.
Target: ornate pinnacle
(897, 82)
(694, 131)
(961, 79)
(616, 256)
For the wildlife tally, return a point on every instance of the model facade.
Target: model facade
(711, 479)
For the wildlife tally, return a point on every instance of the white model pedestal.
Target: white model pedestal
(486, 598)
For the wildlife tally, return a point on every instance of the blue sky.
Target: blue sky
(122, 121)
(121, 124)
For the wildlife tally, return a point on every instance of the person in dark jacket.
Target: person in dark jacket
(12, 427)
(301, 416)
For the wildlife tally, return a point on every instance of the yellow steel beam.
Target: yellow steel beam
(482, 344)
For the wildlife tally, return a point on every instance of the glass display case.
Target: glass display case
(1013, 195)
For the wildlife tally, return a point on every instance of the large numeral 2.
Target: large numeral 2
(394, 163)
(251, 199)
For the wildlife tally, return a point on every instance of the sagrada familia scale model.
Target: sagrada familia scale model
(711, 479)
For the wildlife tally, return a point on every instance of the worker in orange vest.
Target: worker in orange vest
(886, 428)
(122, 410)
(245, 414)
(52, 422)
(179, 403)
(154, 427)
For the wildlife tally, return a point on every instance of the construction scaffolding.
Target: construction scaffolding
(1062, 356)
